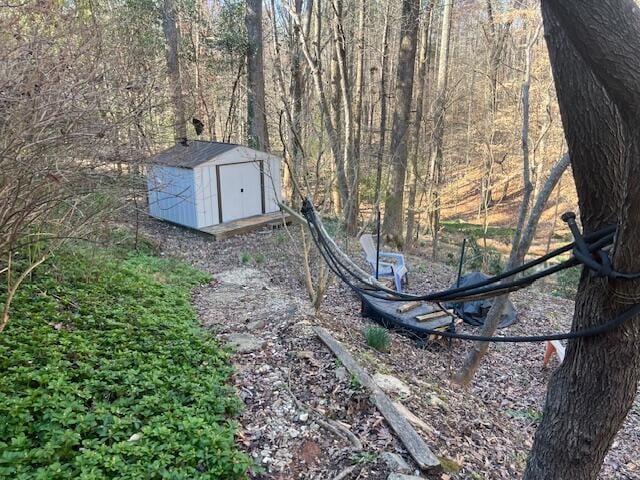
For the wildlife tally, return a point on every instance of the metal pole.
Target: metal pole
(464, 244)
(452, 326)
(378, 245)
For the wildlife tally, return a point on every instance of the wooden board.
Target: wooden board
(434, 314)
(413, 442)
(437, 323)
(442, 328)
(407, 307)
(245, 225)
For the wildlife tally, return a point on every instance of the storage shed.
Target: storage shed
(202, 183)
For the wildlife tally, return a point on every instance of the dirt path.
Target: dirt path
(302, 408)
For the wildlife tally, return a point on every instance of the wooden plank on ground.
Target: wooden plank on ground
(436, 323)
(432, 315)
(246, 225)
(443, 327)
(413, 442)
(407, 307)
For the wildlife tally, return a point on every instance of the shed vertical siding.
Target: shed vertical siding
(172, 195)
(206, 195)
(272, 184)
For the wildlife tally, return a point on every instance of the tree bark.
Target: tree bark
(497, 37)
(344, 94)
(420, 99)
(172, 37)
(332, 132)
(291, 99)
(354, 164)
(383, 106)
(438, 124)
(393, 208)
(295, 91)
(256, 108)
(598, 92)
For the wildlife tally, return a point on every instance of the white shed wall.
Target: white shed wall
(206, 194)
(272, 184)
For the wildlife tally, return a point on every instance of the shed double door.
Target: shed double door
(240, 190)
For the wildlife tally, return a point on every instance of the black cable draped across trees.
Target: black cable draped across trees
(585, 249)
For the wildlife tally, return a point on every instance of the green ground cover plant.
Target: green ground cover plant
(106, 374)
(377, 338)
(477, 231)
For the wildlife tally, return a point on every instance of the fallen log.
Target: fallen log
(413, 442)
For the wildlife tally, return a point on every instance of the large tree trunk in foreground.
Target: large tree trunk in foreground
(256, 109)
(598, 91)
(171, 36)
(393, 214)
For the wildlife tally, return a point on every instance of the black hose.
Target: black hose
(598, 240)
(583, 248)
(469, 292)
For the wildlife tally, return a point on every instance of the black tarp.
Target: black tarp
(475, 312)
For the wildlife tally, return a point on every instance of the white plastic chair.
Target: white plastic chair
(392, 266)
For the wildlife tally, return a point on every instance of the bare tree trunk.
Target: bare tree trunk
(172, 38)
(470, 103)
(344, 93)
(520, 244)
(291, 99)
(229, 123)
(393, 208)
(555, 217)
(592, 391)
(256, 109)
(296, 88)
(497, 37)
(438, 123)
(423, 69)
(354, 166)
(383, 105)
(332, 132)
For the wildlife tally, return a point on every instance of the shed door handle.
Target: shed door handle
(242, 190)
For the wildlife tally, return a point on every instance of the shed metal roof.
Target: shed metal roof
(195, 153)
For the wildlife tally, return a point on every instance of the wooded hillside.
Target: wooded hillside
(413, 106)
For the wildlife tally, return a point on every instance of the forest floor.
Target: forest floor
(299, 400)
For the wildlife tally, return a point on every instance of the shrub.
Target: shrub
(106, 374)
(280, 238)
(245, 258)
(377, 338)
